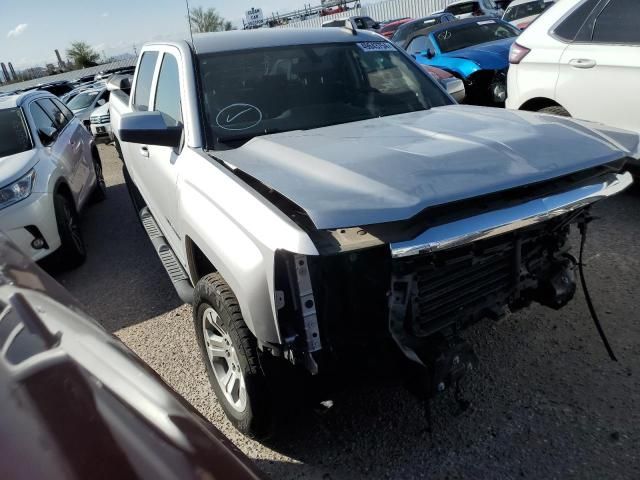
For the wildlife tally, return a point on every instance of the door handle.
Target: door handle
(144, 151)
(582, 63)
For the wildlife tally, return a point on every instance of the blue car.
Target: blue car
(475, 50)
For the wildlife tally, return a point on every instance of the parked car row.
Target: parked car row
(361, 221)
(49, 171)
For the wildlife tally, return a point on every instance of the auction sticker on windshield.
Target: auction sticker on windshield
(376, 47)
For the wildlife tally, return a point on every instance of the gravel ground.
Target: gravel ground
(547, 402)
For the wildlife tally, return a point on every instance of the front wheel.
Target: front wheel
(72, 253)
(100, 189)
(230, 353)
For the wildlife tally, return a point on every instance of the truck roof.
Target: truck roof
(275, 37)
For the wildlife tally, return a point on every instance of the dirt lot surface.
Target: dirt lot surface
(547, 402)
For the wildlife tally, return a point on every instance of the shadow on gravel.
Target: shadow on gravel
(122, 282)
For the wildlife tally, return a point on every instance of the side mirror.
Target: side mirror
(119, 82)
(149, 128)
(47, 135)
(429, 53)
(101, 102)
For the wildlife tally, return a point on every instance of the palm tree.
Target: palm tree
(207, 20)
(83, 55)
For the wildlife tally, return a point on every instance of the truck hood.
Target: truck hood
(14, 167)
(391, 168)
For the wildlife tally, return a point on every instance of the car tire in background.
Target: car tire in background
(100, 189)
(230, 353)
(72, 252)
(555, 110)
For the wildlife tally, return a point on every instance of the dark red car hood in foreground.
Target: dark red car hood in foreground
(77, 404)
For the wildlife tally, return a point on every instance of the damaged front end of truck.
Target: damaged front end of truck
(385, 294)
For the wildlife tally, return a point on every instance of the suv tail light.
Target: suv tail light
(517, 53)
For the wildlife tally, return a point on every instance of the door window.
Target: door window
(59, 120)
(419, 44)
(142, 92)
(42, 121)
(63, 108)
(619, 22)
(168, 91)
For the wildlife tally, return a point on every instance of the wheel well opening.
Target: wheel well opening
(199, 264)
(536, 104)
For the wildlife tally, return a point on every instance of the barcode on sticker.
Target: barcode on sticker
(376, 47)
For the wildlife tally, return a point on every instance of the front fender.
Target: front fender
(239, 232)
(460, 67)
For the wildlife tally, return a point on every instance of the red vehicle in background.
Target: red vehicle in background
(390, 27)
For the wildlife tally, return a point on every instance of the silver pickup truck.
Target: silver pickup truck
(328, 208)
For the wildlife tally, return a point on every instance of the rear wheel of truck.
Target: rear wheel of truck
(230, 353)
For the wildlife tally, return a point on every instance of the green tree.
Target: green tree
(207, 21)
(83, 55)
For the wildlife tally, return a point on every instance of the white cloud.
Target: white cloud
(105, 14)
(18, 30)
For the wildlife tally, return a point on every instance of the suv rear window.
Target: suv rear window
(463, 8)
(14, 136)
(568, 28)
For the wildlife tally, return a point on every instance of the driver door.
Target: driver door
(160, 168)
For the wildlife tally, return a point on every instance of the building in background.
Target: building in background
(61, 64)
(14, 77)
(7, 78)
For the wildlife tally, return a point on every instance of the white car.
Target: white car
(473, 8)
(49, 169)
(521, 13)
(83, 104)
(581, 58)
(101, 124)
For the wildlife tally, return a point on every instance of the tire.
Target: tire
(100, 189)
(72, 253)
(216, 313)
(555, 110)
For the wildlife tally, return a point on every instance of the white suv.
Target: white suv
(580, 58)
(49, 169)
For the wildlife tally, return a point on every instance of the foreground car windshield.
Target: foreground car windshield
(82, 100)
(471, 34)
(14, 137)
(271, 90)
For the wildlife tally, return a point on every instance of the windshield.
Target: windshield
(14, 136)
(82, 100)
(407, 29)
(475, 33)
(525, 10)
(263, 91)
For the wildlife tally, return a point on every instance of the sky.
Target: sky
(30, 30)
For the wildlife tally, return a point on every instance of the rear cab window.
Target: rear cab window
(14, 134)
(142, 89)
